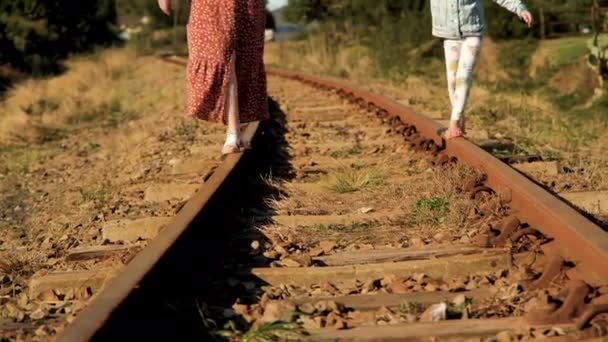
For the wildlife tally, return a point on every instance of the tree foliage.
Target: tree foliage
(35, 34)
(397, 33)
(500, 23)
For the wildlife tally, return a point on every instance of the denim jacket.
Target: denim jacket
(454, 19)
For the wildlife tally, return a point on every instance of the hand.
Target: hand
(526, 16)
(165, 6)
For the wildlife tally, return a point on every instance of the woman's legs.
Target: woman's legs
(233, 130)
(460, 66)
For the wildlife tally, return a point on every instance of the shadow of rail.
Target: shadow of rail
(189, 287)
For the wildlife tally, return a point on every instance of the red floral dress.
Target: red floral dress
(218, 30)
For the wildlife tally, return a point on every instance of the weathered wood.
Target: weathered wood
(396, 255)
(406, 332)
(322, 117)
(378, 300)
(328, 162)
(594, 202)
(549, 168)
(65, 281)
(336, 146)
(323, 109)
(292, 221)
(10, 325)
(440, 268)
(133, 230)
(98, 252)
(198, 166)
(166, 192)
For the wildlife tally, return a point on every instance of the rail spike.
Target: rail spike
(552, 270)
(573, 307)
(505, 228)
(598, 306)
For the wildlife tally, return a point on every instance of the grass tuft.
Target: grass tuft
(352, 180)
(24, 161)
(20, 263)
(432, 211)
(110, 113)
(272, 331)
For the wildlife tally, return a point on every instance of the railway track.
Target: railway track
(352, 220)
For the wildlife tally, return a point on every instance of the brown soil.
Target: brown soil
(58, 191)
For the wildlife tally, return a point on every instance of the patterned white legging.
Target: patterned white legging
(460, 59)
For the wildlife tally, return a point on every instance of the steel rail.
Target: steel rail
(577, 238)
(93, 318)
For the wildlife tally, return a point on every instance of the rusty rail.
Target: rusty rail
(93, 318)
(578, 239)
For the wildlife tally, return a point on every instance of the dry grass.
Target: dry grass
(581, 174)
(95, 88)
(440, 203)
(23, 161)
(431, 200)
(21, 263)
(316, 53)
(346, 180)
(533, 120)
(56, 195)
(110, 90)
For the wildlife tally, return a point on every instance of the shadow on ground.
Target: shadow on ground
(181, 299)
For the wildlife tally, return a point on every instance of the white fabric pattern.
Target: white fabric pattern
(460, 59)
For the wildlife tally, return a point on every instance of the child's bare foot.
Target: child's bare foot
(454, 131)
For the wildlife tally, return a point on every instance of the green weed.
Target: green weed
(93, 146)
(432, 211)
(269, 332)
(24, 161)
(272, 331)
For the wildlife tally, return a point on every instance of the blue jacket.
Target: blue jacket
(454, 19)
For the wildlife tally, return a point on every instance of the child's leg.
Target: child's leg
(232, 112)
(452, 56)
(469, 54)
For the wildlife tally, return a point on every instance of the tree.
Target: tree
(36, 34)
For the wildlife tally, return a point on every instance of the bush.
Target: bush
(36, 34)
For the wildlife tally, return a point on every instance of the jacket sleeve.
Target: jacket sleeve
(515, 6)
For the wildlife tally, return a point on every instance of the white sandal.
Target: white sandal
(232, 144)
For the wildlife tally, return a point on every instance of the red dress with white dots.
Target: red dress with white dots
(217, 30)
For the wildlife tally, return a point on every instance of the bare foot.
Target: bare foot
(454, 131)
(232, 144)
